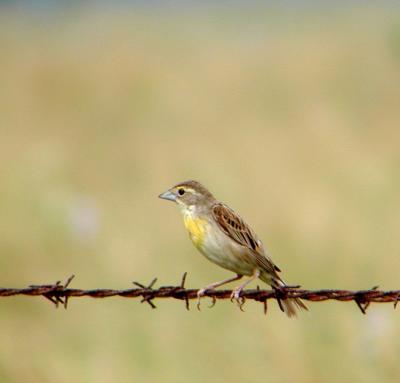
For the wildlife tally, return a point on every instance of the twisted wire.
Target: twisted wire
(59, 293)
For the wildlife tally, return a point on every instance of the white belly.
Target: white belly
(226, 253)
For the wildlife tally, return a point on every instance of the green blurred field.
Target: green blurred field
(291, 117)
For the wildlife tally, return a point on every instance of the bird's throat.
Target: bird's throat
(196, 228)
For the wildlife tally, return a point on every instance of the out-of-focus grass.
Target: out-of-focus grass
(291, 118)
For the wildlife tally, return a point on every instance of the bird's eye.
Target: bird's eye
(181, 191)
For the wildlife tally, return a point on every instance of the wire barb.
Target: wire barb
(148, 295)
(183, 287)
(59, 293)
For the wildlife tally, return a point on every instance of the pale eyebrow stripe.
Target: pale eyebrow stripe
(186, 188)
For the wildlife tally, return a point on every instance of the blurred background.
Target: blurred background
(289, 112)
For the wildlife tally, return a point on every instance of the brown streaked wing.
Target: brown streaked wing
(234, 227)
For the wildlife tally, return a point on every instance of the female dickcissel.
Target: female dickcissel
(224, 238)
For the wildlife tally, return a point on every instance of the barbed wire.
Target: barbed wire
(59, 293)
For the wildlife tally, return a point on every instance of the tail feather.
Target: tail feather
(288, 306)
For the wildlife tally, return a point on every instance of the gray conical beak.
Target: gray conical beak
(168, 196)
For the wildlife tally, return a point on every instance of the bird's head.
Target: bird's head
(189, 195)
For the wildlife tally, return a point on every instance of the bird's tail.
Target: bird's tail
(289, 305)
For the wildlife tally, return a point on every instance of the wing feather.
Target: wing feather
(237, 229)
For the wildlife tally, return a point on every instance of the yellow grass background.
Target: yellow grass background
(290, 116)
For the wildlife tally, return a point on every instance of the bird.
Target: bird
(225, 239)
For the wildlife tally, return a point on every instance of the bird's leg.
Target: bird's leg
(201, 292)
(237, 290)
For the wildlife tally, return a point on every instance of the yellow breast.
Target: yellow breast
(196, 228)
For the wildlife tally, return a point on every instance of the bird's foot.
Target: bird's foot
(200, 293)
(235, 296)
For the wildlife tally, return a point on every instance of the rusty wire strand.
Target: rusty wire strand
(59, 293)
